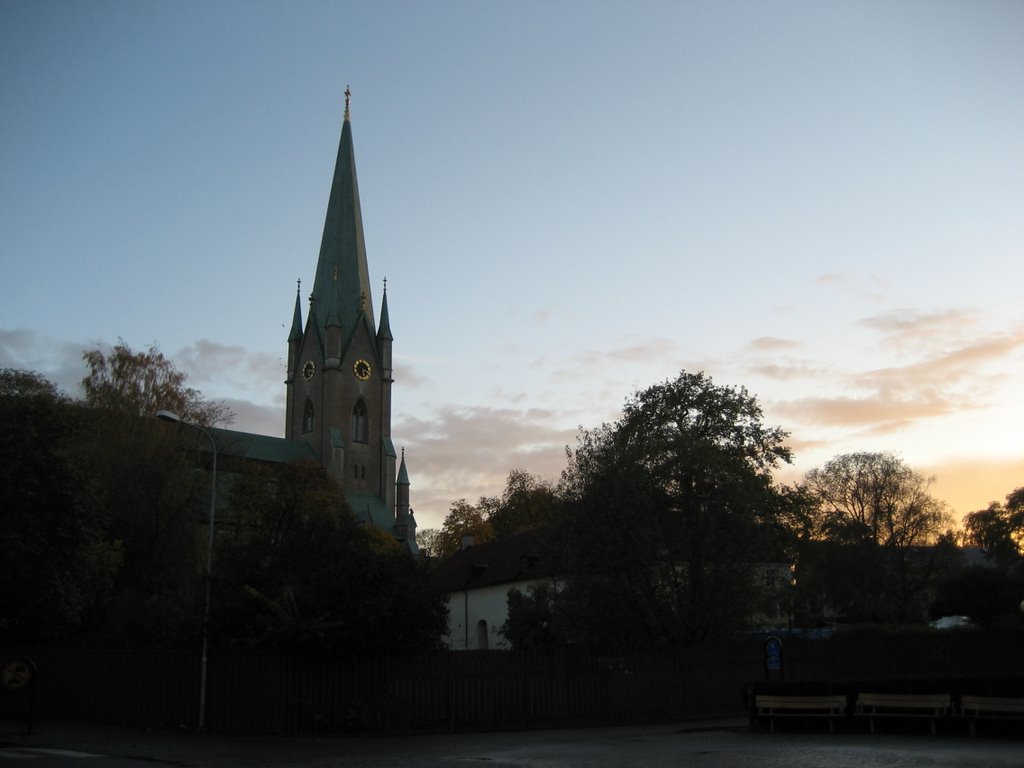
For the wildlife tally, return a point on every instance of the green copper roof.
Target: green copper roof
(384, 331)
(296, 332)
(260, 447)
(367, 508)
(341, 289)
(403, 473)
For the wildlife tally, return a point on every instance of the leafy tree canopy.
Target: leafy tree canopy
(142, 383)
(998, 529)
(296, 571)
(527, 502)
(103, 537)
(463, 520)
(56, 559)
(875, 497)
(870, 536)
(670, 508)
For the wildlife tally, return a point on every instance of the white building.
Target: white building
(476, 582)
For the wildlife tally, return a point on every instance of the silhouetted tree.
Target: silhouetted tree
(670, 509)
(463, 519)
(870, 551)
(56, 558)
(877, 498)
(528, 502)
(295, 571)
(999, 529)
(156, 497)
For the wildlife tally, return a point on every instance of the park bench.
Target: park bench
(920, 705)
(771, 706)
(993, 707)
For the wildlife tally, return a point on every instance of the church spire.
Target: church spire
(341, 288)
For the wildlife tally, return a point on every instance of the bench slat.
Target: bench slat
(801, 702)
(773, 706)
(905, 700)
(982, 704)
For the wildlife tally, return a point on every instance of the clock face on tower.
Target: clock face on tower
(362, 370)
(308, 370)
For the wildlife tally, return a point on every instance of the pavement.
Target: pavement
(728, 743)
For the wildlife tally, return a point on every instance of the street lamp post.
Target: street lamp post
(174, 418)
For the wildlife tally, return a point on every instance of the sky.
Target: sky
(821, 202)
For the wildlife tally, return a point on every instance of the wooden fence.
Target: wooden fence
(256, 692)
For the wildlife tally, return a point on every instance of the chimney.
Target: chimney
(467, 540)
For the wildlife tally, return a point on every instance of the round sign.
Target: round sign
(773, 654)
(17, 674)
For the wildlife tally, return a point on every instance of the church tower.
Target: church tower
(339, 364)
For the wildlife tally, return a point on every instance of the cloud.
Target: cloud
(468, 452)
(833, 278)
(784, 372)
(408, 375)
(771, 344)
(256, 418)
(895, 397)
(58, 360)
(902, 329)
(768, 359)
(881, 412)
(543, 316)
(866, 286)
(231, 368)
(968, 364)
(636, 350)
(905, 321)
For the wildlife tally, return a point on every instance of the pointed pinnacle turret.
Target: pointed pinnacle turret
(384, 329)
(296, 332)
(403, 473)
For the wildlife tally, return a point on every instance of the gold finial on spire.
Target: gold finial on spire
(348, 101)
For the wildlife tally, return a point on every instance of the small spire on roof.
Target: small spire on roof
(296, 332)
(348, 100)
(384, 329)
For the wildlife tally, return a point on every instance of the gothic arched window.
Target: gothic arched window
(360, 430)
(307, 417)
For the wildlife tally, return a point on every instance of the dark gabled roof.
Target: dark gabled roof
(246, 445)
(532, 554)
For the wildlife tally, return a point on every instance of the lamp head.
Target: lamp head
(170, 416)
